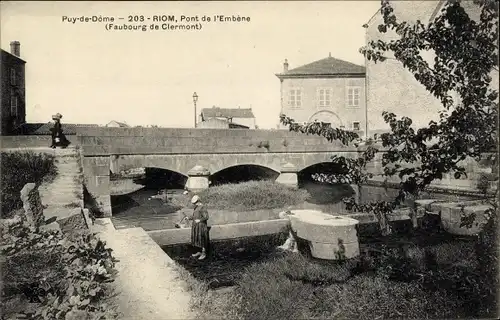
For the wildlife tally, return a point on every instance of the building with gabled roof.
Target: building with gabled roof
(215, 123)
(13, 91)
(391, 87)
(117, 124)
(237, 116)
(328, 90)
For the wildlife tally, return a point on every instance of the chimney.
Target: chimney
(15, 48)
(285, 66)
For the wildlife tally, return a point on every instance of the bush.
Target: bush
(20, 168)
(252, 195)
(32, 274)
(391, 282)
(64, 276)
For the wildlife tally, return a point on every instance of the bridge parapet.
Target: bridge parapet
(107, 141)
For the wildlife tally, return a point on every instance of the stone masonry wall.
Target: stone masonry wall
(106, 141)
(96, 182)
(32, 141)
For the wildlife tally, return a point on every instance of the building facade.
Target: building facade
(391, 87)
(214, 123)
(328, 90)
(237, 116)
(13, 89)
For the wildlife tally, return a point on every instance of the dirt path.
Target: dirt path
(148, 286)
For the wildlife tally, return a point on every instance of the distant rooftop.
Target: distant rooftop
(325, 67)
(114, 123)
(227, 113)
(230, 124)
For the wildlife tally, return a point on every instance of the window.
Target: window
(12, 76)
(295, 98)
(324, 98)
(355, 126)
(13, 105)
(353, 97)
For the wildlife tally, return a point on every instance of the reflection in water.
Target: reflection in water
(137, 209)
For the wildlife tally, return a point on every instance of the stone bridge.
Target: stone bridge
(197, 154)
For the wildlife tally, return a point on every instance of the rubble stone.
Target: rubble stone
(32, 205)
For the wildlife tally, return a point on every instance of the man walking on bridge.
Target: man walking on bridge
(199, 228)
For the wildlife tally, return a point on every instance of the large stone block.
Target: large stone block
(73, 221)
(96, 166)
(334, 251)
(102, 186)
(329, 237)
(102, 204)
(452, 213)
(196, 184)
(452, 218)
(198, 178)
(289, 179)
(327, 231)
(288, 176)
(32, 205)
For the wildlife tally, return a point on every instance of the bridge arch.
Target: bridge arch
(243, 172)
(321, 191)
(150, 177)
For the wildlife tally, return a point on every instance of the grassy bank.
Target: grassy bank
(388, 280)
(19, 168)
(252, 195)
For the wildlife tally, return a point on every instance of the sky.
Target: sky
(93, 75)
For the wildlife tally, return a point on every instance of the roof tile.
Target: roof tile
(327, 66)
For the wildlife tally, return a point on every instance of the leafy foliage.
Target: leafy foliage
(20, 168)
(465, 56)
(66, 276)
(466, 52)
(386, 281)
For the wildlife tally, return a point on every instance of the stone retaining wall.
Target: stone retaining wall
(222, 232)
(377, 192)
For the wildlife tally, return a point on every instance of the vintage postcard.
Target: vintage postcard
(249, 159)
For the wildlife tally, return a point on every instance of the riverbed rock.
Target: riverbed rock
(32, 205)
